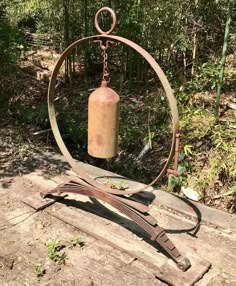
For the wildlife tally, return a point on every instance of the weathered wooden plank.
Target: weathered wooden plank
(199, 211)
(38, 203)
(41, 183)
(170, 274)
(120, 238)
(117, 236)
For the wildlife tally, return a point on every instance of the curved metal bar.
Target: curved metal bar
(113, 15)
(55, 129)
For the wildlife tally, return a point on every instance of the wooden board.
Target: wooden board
(170, 274)
(120, 238)
(203, 213)
(112, 234)
(37, 202)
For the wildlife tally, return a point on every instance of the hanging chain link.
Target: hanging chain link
(106, 75)
(104, 48)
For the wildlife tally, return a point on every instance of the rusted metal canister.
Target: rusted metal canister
(103, 122)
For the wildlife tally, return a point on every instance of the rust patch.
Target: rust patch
(99, 140)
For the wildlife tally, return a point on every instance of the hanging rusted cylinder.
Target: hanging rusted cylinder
(103, 122)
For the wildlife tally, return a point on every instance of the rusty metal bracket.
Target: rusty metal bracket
(175, 171)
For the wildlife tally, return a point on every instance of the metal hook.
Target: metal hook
(105, 46)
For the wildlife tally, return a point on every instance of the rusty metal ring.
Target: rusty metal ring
(55, 129)
(113, 15)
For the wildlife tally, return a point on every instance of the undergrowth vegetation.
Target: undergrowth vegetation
(210, 150)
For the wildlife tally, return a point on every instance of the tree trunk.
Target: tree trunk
(66, 4)
(194, 51)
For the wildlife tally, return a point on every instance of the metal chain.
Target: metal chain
(106, 75)
(104, 48)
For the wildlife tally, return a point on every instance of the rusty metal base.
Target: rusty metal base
(132, 209)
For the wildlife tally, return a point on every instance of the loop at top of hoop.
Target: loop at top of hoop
(113, 15)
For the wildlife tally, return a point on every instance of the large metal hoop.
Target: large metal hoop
(52, 115)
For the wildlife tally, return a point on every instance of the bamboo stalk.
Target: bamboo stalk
(223, 59)
(194, 43)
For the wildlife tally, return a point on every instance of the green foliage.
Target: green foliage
(223, 140)
(212, 152)
(24, 150)
(175, 183)
(121, 185)
(206, 78)
(197, 122)
(27, 114)
(54, 246)
(164, 28)
(75, 240)
(12, 42)
(39, 270)
(181, 96)
(232, 191)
